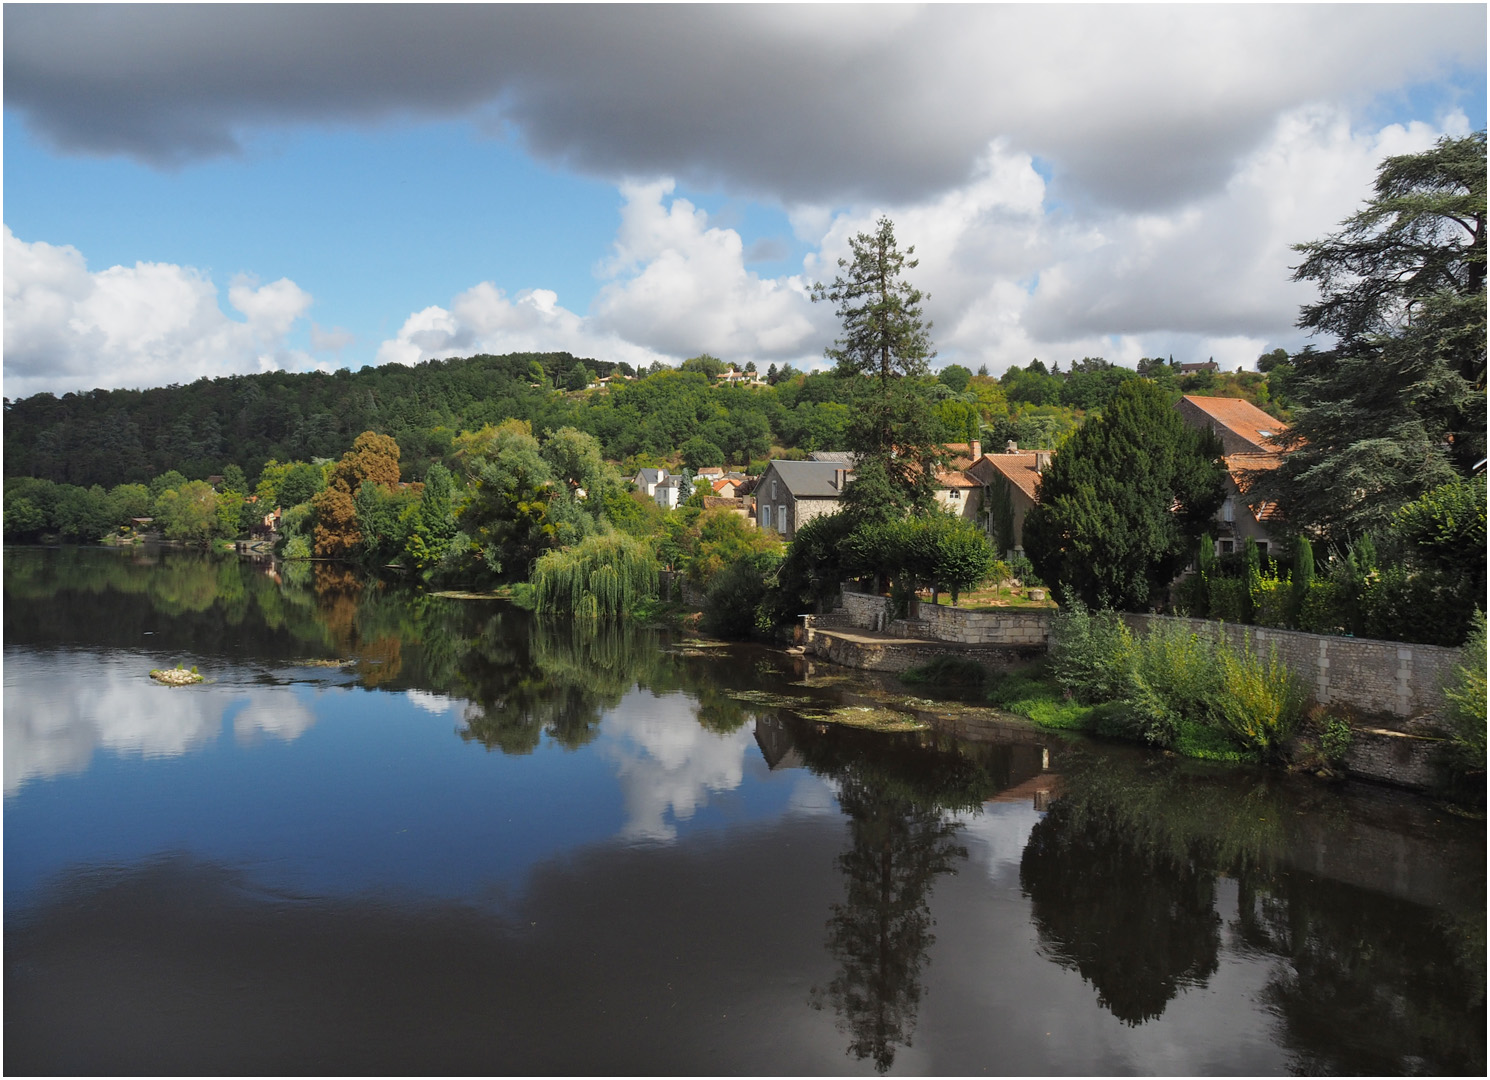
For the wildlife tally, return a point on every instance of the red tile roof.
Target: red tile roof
(1018, 469)
(1243, 469)
(1241, 418)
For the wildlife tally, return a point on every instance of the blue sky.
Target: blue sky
(188, 194)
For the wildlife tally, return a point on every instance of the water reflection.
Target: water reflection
(901, 795)
(1137, 923)
(61, 709)
(1123, 874)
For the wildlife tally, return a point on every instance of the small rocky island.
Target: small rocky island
(176, 676)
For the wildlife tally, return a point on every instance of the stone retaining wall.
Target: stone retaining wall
(1372, 676)
(983, 627)
(897, 656)
(933, 622)
(864, 610)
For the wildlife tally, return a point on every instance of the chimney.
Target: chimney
(977, 449)
(1011, 447)
(1042, 460)
(839, 476)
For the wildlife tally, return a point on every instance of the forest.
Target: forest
(111, 437)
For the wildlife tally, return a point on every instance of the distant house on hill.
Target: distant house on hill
(1010, 485)
(1195, 369)
(669, 492)
(789, 494)
(646, 480)
(1242, 427)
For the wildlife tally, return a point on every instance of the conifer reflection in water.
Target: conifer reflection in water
(898, 792)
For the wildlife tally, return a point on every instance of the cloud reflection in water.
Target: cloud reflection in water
(61, 708)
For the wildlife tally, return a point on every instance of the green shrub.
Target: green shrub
(1334, 740)
(1320, 611)
(1259, 704)
(732, 603)
(1190, 596)
(1465, 697)
(1272, 604)
(1091, 653)
(1228, 599)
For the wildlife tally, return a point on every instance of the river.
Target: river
(393, 832)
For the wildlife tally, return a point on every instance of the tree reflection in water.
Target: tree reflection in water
(1122, 871)
(1137, 923)
(898, 792)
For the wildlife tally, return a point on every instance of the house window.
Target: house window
(773, 489)
(765, 517)
(954, 494)
(1226, 547)
(1262, 548)
(781, 518)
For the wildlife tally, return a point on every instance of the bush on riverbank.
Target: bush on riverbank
(1174, 688)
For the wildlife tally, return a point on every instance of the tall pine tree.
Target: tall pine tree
(885, 348)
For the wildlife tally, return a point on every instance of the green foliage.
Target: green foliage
(1397, 407)
(432, 527)
(1227, 599)
(1106, 525)
(189, 512)
(954, 377)
(601, 577)
(724, 538)
(699, 453)
(1091, 653)
(1259, 702)
(1303, 579)
(1273, 603)
(885, 349)
(1173, 683)
(1464, 694)
(1335, 739)
(814, 567)
(732, 602)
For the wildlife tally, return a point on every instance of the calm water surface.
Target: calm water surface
(395, 832)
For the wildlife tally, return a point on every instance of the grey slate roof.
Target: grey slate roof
(810, 479)
(846, 456)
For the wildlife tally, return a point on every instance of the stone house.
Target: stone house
(1242, 427)
(1247, 437)
(791, 493)
(1010, 484)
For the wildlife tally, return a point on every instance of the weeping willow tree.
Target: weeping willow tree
(600, 576)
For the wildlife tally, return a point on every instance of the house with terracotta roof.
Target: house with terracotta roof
(1242, 427)
(1247, 437)
(1010, 484)
(958, 492)
(1243, 515)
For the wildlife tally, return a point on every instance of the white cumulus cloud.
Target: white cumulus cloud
(134, 326)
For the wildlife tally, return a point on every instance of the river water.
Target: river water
(401, 833)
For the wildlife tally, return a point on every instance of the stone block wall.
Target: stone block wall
(932, 622)
(983, 627)
(865, 611)
(1373, 676)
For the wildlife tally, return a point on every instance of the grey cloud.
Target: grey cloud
(1135, 107)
